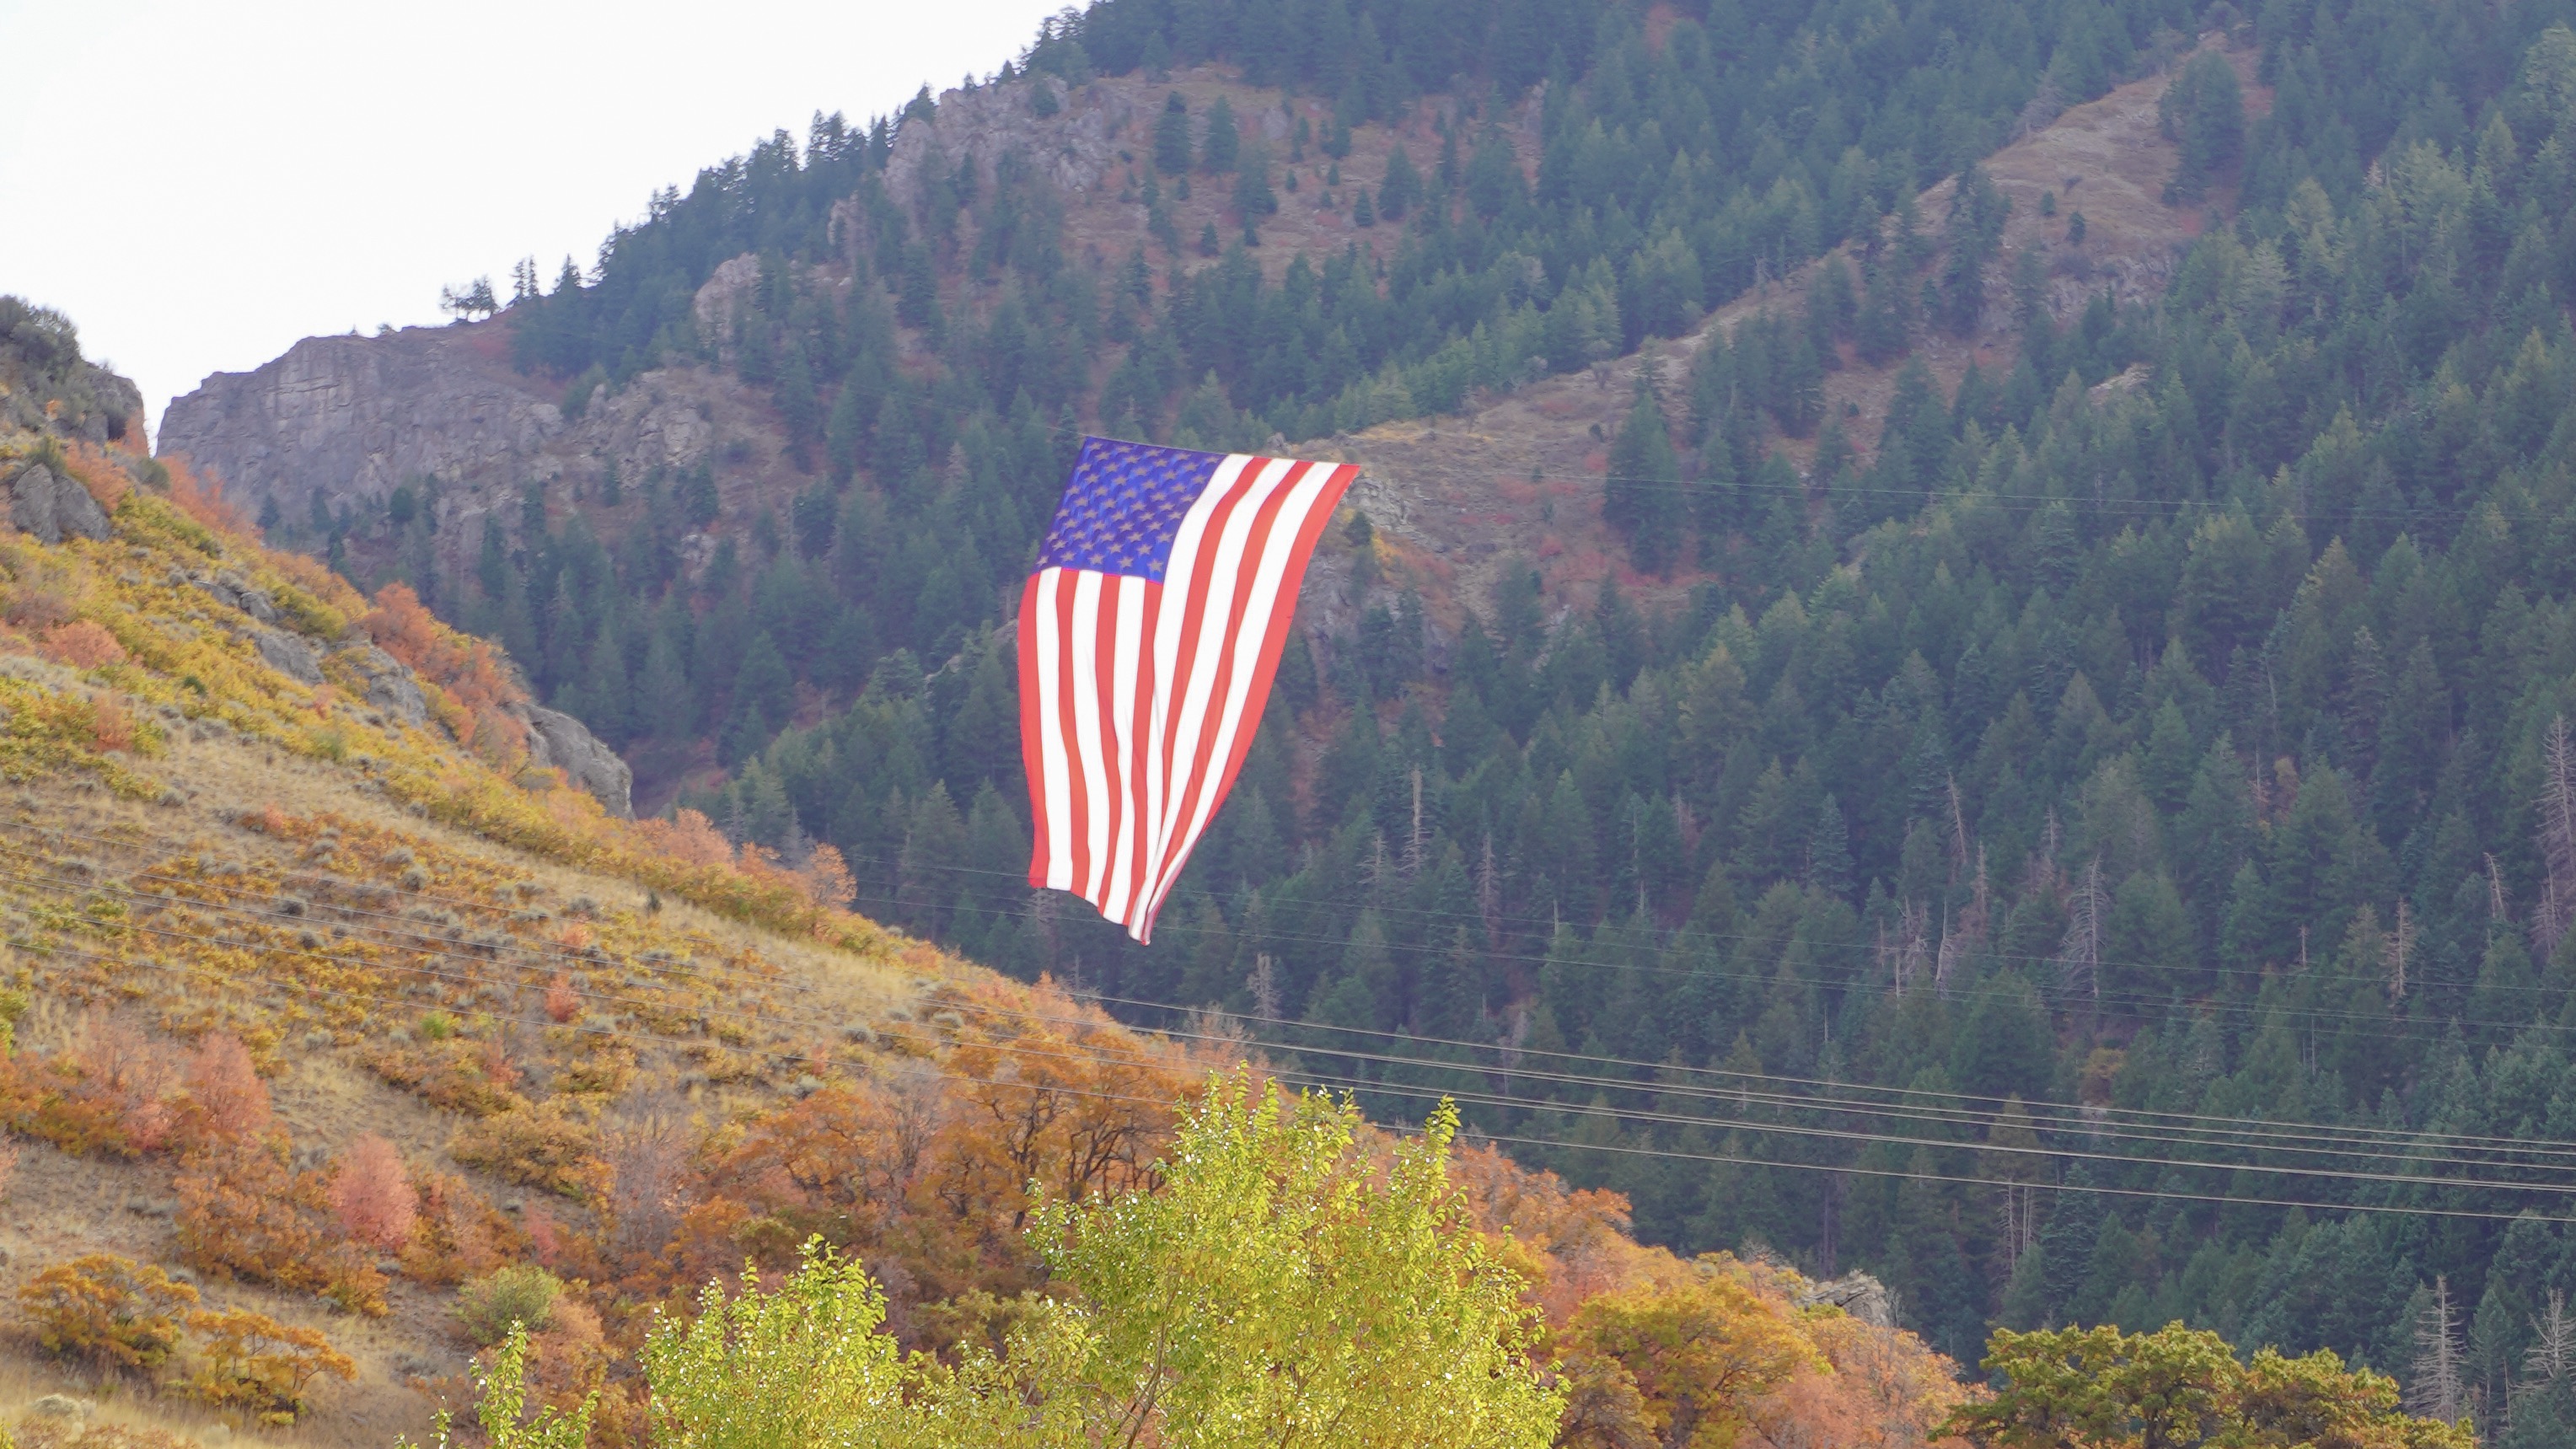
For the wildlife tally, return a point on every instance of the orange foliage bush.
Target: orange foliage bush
(204, 500)
(457, 1234)
(106, 1308)
(243, 1213)
(82, 644)
(467, 670)
(372, 1196)
(934, 1175)
(687, 837)
(459, 1074)
(231, 1101)
(124, 1073)
(545, 1146)
(104, 477)
(827, 879)
(562, 1003)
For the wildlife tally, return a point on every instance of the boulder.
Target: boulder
(391, 686)
(45, 506)
(233, 591)
(1858, 1294)
(288, 655)
(558, 741)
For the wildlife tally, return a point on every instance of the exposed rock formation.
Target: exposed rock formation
(352, 418)
(1858, 1294)
(558, 741)
(390, 685)
(46, 505)
(288, 655)
(46, 386)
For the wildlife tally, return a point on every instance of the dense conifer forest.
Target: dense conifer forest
(2019, 795)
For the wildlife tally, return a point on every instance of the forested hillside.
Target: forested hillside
(2160, 726)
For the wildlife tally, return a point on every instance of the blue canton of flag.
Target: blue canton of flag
(1124, 506)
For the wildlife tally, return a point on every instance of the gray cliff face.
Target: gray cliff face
(352, 418)
(355, 416)
(558, 741)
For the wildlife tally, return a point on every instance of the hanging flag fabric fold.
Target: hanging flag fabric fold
(1148, 637)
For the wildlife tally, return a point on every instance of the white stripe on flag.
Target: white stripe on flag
(1085, 687)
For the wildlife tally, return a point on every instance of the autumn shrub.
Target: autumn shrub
(1676, 1362)
(457, 1234)
(230, 1100)
(104, 477)
(521, 1293)
(82, 644)
(688, 837)
(371, 1194)
(243, 1213)
(827, 879)
(109, 1309)
(259, 1366)
(548, 1145)
(202, 499)
(123, 1075)
(110, 726)
(450, 1071)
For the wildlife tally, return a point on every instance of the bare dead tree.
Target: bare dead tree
(2553, 1344)
(2556, 830)
(2438, 1391)
(2079, 952)
(2401, 947)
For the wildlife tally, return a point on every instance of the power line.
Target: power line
(1632, 1115)
(2345, 1142)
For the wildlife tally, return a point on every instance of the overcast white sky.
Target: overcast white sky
(199, 185)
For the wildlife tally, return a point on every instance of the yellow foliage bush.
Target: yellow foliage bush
(260, 1366)
(106, 1308)
(549, 1145)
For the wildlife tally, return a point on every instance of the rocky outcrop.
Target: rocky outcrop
(47, 506)
(390, 685)
(558, 741)
(352, 418)
(46, 386)
(288, 655)
(1074, 148)
(230, 589)
(1858, 1294)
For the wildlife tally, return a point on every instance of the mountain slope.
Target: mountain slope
(326, 996)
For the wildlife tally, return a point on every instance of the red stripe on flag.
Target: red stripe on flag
(1140, 745)
(1078, 819)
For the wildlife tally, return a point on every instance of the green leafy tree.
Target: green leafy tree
(801, 1364)
(2099, 1388)
(1281, 1290)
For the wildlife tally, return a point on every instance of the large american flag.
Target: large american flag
(1148, 635)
